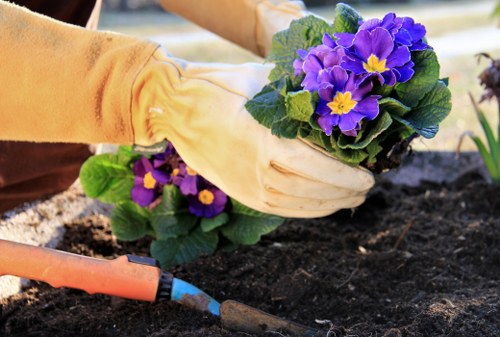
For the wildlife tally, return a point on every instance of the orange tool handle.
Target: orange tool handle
(127, 276)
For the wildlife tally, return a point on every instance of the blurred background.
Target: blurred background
(458, 30)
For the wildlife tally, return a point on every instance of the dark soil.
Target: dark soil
(419, 261)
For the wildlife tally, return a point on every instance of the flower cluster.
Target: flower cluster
(167, 168)
(344, 69)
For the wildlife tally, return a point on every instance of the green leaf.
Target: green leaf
(393, 106)
(299, 106)
(246, 226)
(431, 110)
(209, 224)
(286, 128)
(107, 177)
(426, 74)
(184, 249)
(382, 123)
(130, 221)
(172, 218)
(373, 150)
(268, 105)
(346, 19)
(302, 34)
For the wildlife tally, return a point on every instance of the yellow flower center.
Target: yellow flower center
(175, 172)
(190, 171)
(342, 103)
(149, 181)
(206, 197)
(374, 65)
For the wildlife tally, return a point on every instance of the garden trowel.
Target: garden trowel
(133, 277)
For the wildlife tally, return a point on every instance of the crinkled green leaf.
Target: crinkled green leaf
(107, 177)
(393, 106)
(381, 124)
(302, 34)
(172, 218)
(298, 105)
(373, 149)
(268, 105)
(286, 128)
(209, 224)
(130, 221)
(246, 226)
(426, 74)
(184, 249)
(346, 19)
(431, 110)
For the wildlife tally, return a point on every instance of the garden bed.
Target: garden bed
(419, 260)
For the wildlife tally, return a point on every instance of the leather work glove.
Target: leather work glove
(200, 108)
(250, 24)
(68, 84)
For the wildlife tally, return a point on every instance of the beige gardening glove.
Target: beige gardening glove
(249, 23)
(200, 108)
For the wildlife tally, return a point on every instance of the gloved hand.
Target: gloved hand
(200, 109)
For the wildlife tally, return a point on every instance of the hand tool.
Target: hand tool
(133, 277)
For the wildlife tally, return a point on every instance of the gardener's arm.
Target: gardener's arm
(248, 23)
(63, 83)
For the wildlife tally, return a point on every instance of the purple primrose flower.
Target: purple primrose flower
(208, 202)
(404, 31)
(148, 182)
(344, 102)
(375, 54)
(186, 179)
(314, 61)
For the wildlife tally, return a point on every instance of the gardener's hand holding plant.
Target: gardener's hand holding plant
(83, 86)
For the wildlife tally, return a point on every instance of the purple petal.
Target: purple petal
(368, 107)
(139, 170)
(406, 72)
(160, 176)
(354, 65)
(370, 24)
(322, 108)
(312, 64)
(344, 39)
(403, 37)
(420, 45)
(311, 82)
(327, 123)
(142, 196)
(363, 44)
(416, 30)
(302, 53)
(297, 67)
(326, 91)
(189, 185)
(328, 41)
(360, 87)
(349, 121)
(399, 57)
(389, 78)
(382, 43)
(339, 78)
(333, 58)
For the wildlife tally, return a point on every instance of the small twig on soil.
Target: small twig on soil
(403, 234)
(275, 333)
(350, 277)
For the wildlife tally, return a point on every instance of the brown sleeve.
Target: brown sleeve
(234, 20)
(63, 83)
